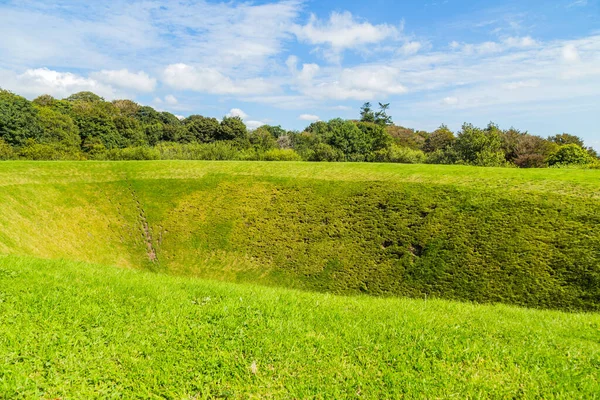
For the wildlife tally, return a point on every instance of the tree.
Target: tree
(262, 139)
(481, 147)
(376, 135)
(19, 119)
(347, 137)
(570, 154)
(406, 137)
(275, 131)
(202, 129)
(381, 116)
(532, 151)
(85, 96)
(97, 120)
(233, 128)
(565, 138)
(127, 108)
(44, 100)
(440, 139)
(366, 113)
(58, 128)
(131, 131)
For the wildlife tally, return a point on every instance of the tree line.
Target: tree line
(84, 126)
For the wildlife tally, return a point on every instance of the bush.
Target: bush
(570, 154)
(198, 151)
(133, 154)
(6, 151)
(49, 152)
(281, 155)
(325, 152)
(399, 154)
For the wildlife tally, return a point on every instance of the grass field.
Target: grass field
(524, 237)
(190, 280)
(72, 330)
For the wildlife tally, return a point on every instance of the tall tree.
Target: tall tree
(366, 113)
(19, 119)
(381, 116)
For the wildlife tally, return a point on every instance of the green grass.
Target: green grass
(524, 237)
(72, 330)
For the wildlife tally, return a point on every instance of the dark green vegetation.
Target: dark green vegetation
(76, 331)
(525, 237)
(85, 127)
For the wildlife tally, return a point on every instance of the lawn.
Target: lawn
(72, 330)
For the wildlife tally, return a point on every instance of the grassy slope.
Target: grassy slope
(72, 330)
(529, 237)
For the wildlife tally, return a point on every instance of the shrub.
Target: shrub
(198, 151)
(49, 152)
(570, 154)
(281, 155)
(399, 154)
(133, 154)
(6, 151)
(325, 152)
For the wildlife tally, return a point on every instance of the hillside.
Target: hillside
(525, 237)
(73, 330)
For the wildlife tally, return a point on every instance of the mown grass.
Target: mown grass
(72, 330)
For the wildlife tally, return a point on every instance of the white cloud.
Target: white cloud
(342, 31)
(171, 100)
(409, 48)
(254, 124)
(532, 83)
(210, 80)
(570, 53)
(359, 83)
(309, 117)
(35, 82)
(250, 124)
(578, 3)
(236, 112)
(139, 81)
(451, 101)
(110, 35)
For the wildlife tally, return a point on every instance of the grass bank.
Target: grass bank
(524, 237)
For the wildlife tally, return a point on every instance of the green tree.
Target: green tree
(275, 131)
(376, 135)
(440, 139)
(570, 154)
(262, 139)
(381, 116)
(19, 119)
(127, 108)
(481, 147)
(97, 120)
(348, 138)
(566, 138)
(203, 129)
(233, 128)
(85, 96)
(130, 130)
(58, 128)
(366, 113)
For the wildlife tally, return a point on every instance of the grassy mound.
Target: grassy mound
(522, 237)
(74, 330)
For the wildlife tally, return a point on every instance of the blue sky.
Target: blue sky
(534, 65)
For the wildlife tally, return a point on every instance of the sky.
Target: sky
(533, 65)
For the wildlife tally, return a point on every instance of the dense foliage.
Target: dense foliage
(85, 127)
